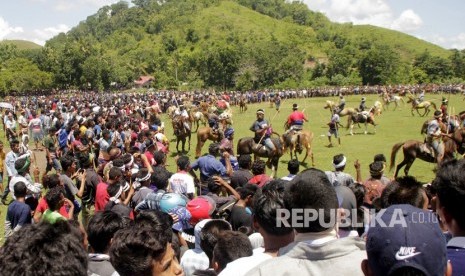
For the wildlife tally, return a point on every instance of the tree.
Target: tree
(379, 65)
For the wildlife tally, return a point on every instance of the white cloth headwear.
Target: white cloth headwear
(341, 164)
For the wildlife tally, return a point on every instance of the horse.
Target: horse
(346, 111)
(423, 105)
(377, 108)
(198, 117)
(247, 145)
(296, 141)
(181, 132)
(393, 99)
(415, 149)
(361, 117)
(170, 111)
(204, 134)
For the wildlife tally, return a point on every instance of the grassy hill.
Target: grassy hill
(22, 44)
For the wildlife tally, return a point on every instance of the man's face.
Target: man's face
(15, 148)
(168, 264)
(260, 116)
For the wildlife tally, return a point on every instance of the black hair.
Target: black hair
(244, 160)
(114, 173)
(449, 185)
(258, 167)
(210, 233)
(293, 166)
(51, 180)
(379, 157)
(134, 249)
(376, 169)
(183, 162)
(126, 158)
(160, 177)
(337, 159)
(311, 189)
(212, 186)
(66, 162)
(403, 190)
(54, 197)
(113, 189)
(159, 157)
(20, 189)
(19, 163)
(214, 149)
(84, 161)
(247, 190)
(101, 229)
(14, 142)
(266, 202)
(118, 162)
(158, 220)
(231, 245)
(60, 246)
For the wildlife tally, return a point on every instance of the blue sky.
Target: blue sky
(440, 22)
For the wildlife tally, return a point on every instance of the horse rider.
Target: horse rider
(184, 116)
(262, 130)
(296, 119)
(362, 107)
(421, 97)
(434, 136)
(342, 103)
(368, 114)
(443, 108)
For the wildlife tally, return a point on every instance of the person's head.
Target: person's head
(44, 249)
(160, 157)
(22, 165)
(245, 161)
(114, 174)
(68, 164)
(14, 146)
(20, 189)
(311, 189)
(212, 186)
(210, 233)
(229, 133)
(405, 190)
(84, 161)
(143, 176)
(293, 166)
(214, 149)
(230, 246)
(55, 198)
(379, 157)
(260, 114)
(397, 243)
(377, 169)
(359, 192)
(437, 114)
(258, 167)
(101, 229)
(142, 251)
(51, 180)
(266, 202)
(449, 187)
(183, 163)
(160, 178)
(339, 162)
(247, 192)
(159, 221)
(295, 107)
(363, 99)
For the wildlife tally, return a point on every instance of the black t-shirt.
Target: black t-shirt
(239, 217)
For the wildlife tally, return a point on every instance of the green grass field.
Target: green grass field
(393, 127)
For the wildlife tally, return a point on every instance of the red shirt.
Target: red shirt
(295, 116)
(260, 180)
(149, 156)
(42, 206)
(101, 196)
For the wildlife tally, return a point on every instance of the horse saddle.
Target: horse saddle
(427, 149)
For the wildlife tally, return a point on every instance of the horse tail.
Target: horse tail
(434, 105)
(394, 151)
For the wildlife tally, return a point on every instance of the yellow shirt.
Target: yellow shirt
(2, 159)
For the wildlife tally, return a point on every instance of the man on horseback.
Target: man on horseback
(342, 103)
(367, 114)
(362, 107)
(263, 131)
(184, 117)
(295, 121)
(434, 136)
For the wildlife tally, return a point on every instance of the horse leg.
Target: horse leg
(366, 128)
(399, 166)
(351, 129)
(177, 144)
(198, 149)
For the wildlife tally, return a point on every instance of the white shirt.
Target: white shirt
(182, 183)
(243, 265)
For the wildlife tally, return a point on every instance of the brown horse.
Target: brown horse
(247, 145)
(181, 132)
(346, 111)
(297, 141)
(204, 134)
(415, 149)
(417, 106)
(243, 105)
(356, 118)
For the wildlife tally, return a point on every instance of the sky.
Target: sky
(438, 21)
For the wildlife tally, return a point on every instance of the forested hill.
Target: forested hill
(242, 44)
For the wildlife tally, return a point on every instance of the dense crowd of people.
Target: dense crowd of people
(107, 204)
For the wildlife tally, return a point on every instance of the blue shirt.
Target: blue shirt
(456, 255)
(18, 214)
(208, 166)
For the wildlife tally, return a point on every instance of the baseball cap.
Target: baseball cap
(406, 236)
(200, 208)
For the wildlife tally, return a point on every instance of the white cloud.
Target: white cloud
(454, 42)
(68, 5)
(40, 36)
(6, 29)
(408, 21)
